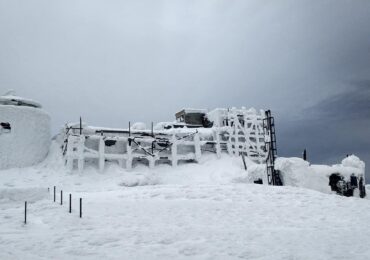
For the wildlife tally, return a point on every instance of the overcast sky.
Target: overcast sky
(115, 61)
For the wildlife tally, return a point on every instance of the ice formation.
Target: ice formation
(24, 132)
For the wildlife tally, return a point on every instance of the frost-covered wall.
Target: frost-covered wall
(27, 141)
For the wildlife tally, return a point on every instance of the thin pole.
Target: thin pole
(80, 125)
(70, 203)
(61, 197)
(129, 128)
(80, 207)
(54, 193)
(25, 212)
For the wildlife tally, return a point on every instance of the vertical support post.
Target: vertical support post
(54, 193)
(70, 203)
(198, 152)
(80, 153)
(174, 150)
(80, 207)
(80, 125)
(218, 145)
(129, 155)
(101, 154)
(61, 197)
(69, 155)
(243, 158)
(25, 212)
(305, 155)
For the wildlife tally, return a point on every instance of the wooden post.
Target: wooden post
(70, 203)
(25, 212)
(305, 155)
(80, 207)
(61, 197)
(54, 193)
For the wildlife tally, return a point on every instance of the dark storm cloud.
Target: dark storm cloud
(141, 60)
(334, 127)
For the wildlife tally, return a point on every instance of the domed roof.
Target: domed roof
(10, 99)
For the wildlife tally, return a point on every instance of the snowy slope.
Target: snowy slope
(197, 211)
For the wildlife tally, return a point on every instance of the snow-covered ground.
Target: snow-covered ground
(196, 211)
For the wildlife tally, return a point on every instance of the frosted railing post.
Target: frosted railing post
(218, 145)
(81, 156)
(129, 155)
(151, 162)
(101, 154)
(197, 147)
(174, 150)
(69, 153)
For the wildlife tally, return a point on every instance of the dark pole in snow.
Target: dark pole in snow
(61, 197)
(129, 128)
(70, 203)
(305, 155)
(54, 193)
(243, 158)
(25, 212)
(80, 125)
(80, 207)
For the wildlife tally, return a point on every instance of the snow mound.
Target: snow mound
(299, 173)
(354, 162)
(23, 194)
(139, 180)
(139, 126)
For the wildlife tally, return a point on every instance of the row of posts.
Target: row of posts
(61, 203)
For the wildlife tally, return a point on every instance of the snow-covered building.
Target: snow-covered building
(24, 132)
(195, 132)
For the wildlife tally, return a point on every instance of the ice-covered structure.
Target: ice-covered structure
(246, 132)
(346, 178)
(195, 131)
(24, 132)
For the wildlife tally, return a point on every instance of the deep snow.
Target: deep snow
(196, 211)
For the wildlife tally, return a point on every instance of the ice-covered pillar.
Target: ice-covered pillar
(217, 143)
(151, 162)
(129, 155)
(174, 150)
(69, 154)
(80, 151)
(101, 154)
(198, 153)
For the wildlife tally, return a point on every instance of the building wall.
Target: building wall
(28, 141)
